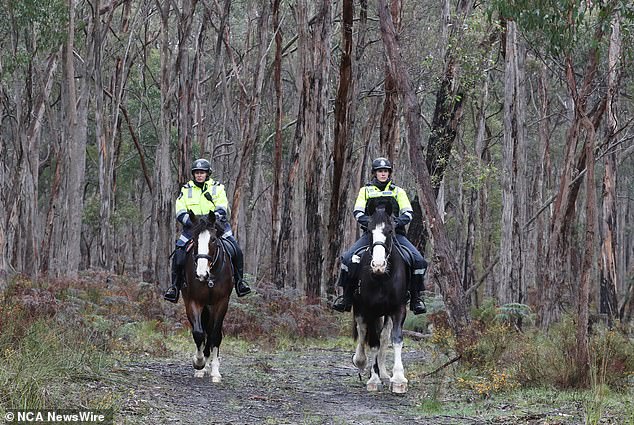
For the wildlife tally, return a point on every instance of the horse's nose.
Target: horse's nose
(378, 267)
(203, 277)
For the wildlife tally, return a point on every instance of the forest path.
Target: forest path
(302, 386)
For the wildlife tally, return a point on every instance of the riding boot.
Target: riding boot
(416, 302)
(344, 302)
(237, 260)
(178, 267)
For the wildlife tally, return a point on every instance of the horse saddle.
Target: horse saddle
(229, 247)
(405, 254)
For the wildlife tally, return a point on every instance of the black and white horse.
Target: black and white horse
(380, 303)
(206, 296)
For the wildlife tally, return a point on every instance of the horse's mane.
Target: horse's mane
(380, 215)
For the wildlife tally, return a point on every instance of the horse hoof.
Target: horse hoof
(216, 379)
(199, 373)
(399, 388)
(372, 387)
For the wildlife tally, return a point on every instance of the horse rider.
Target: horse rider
(201, 195)
(381, 185)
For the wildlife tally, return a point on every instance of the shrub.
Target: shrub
(273, 313)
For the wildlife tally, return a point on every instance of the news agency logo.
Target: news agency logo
(62, 416)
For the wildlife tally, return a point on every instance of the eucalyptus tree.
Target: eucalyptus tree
(32, 35)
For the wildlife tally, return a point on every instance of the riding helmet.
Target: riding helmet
(381, 164)
(201, 165)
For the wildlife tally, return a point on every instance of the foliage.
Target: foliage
(39, 353)
(502, 357)
(558, 25)
(493, 381)
(271, 314)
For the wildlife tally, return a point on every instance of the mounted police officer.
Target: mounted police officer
(381, 185)
(201, 195)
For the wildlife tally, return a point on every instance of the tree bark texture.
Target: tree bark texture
(444, 267)
(342, 150)
(513, 174)
(608, 304)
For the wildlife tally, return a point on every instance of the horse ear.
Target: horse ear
(211, 217)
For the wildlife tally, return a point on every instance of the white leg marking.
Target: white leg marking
(199, 360)
(399, 381)
(375, 381)
(202, 264)
(360, 359)
(215, 366)
(386, 333)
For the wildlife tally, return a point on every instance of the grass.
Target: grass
(60, 340)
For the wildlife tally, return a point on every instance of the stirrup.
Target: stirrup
(341, 304)
(171, 298)
(417, 306)
(242, 289)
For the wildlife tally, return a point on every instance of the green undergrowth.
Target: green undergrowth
(59, 337)
(512, 365)
(531, 405)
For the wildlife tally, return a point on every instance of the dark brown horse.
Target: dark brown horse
(206, 295)
(379, 304)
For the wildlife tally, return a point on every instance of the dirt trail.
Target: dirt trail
(310, 386)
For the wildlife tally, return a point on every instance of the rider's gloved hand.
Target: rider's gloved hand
(221, 215)
(185, 220)
(363, 220)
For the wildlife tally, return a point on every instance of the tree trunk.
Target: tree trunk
(314, 95)
(252, 125)
(511, 279)
(277, 152)
(444, 267)
(564, 206)
(583, 349)
(184, 70)
(607, 226)
(342, 150)
(450, 99)
(389, 129)
(162, 229)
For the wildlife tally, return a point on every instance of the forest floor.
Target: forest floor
(115, 344)
(312, 385)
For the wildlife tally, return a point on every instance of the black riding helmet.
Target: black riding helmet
(381, 164)
(201, 165)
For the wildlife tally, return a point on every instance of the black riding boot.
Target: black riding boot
(178, 266)
(416, 303)
(344, 302)
(237, 260)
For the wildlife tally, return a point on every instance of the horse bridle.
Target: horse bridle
(385, 245)
(212, 260)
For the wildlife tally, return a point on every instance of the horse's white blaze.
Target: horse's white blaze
(202, 264)
(215, 365)
(379, 261)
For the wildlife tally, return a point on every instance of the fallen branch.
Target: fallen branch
(450, 362)
(415, 335)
